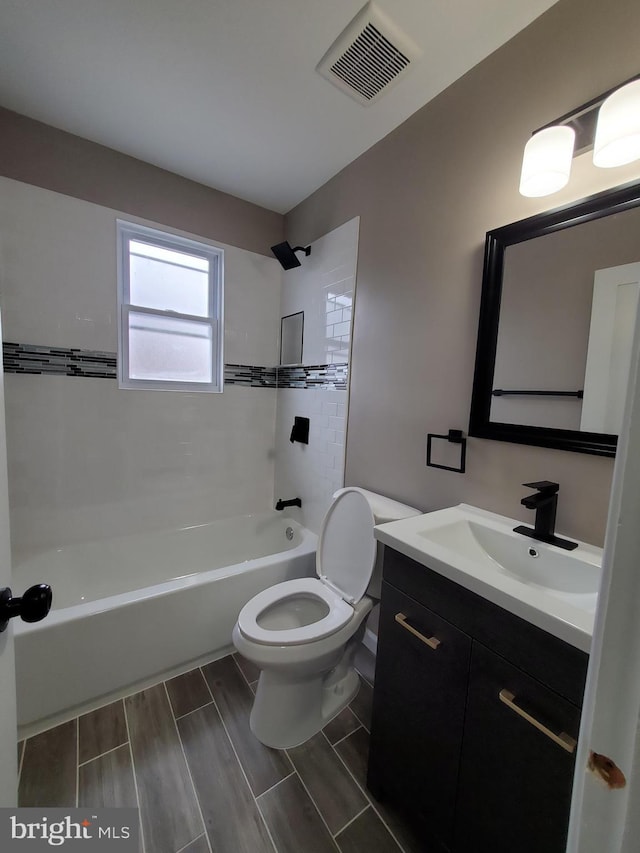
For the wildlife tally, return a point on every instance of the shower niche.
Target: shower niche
(291, 338)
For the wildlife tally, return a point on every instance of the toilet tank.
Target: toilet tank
(384, 509)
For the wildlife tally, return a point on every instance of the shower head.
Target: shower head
(286, 255)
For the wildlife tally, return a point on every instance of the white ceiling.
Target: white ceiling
(225, 91)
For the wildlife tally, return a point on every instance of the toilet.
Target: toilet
(303, 634)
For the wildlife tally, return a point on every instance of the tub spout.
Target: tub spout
(282, 504)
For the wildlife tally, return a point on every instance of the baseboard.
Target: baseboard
(370, 641)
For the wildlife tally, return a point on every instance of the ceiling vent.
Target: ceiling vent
(368, 57)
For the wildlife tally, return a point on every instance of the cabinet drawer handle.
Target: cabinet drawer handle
(432, 642)
(563, 739)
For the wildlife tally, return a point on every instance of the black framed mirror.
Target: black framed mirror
(560, 294)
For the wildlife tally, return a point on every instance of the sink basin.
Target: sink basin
(546, 585)
(530, 561)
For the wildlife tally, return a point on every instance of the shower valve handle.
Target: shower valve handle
(34, 605)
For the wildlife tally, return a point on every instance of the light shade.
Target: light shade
(618, 130)
(546, 164)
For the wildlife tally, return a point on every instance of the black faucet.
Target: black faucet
(282, 504)
(545, 503)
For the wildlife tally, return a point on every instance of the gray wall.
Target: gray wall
(38, 154)
(426, 195)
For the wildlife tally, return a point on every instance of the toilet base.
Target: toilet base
(287, 711)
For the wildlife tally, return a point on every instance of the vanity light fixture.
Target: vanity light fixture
(609, 125)
(546, 164)
(617, 140)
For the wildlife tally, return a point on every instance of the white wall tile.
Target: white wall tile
(329, 408)
(323, 288)
(88, 460)
(326, 275)
(252, 308)
(312, 472)
(58, 269)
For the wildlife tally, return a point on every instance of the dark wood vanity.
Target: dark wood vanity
(475, 718)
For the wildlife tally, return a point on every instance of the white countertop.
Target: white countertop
(453, 543)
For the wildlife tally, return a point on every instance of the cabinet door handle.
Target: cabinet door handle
(563, 739)
(432, 642)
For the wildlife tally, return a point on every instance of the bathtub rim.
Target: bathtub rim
(307, 545)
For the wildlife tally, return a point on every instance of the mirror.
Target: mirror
(559, 300)
(291, 335)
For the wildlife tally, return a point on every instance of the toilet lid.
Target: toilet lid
(347, 549)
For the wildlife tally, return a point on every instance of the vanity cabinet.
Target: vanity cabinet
(476, 714)
(515, 782)
(420, 728)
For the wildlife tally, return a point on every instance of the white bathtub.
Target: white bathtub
(130, 608)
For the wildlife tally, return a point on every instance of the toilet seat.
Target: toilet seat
(340, 612)
(345, 559)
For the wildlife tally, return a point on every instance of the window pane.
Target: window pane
(164, 348)
(172, 256)
(168, 280)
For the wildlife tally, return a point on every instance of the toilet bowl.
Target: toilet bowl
(303, 634)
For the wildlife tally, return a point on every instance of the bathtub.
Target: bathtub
(128, 609)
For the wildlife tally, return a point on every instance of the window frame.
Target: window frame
(128, 231)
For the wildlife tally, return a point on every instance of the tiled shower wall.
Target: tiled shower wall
(324, 288)
(87, 460)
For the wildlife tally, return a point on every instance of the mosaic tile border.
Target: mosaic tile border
(329, 376)
(30, 358)
(250, 375)
(60, 361)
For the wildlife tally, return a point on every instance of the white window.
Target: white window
(170, 311)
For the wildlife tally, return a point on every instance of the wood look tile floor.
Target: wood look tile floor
(182, 752)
